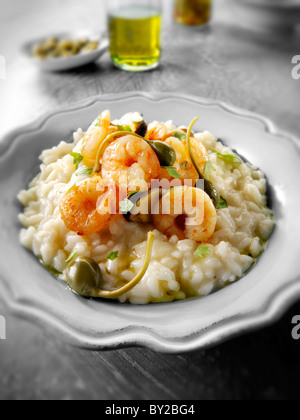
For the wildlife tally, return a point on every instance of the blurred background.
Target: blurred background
(244, 57)
(233, 59)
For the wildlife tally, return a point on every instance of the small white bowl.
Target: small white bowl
(67, 63)
(267, 15)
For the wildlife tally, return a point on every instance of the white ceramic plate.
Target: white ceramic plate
(254, 301)
(68, 63)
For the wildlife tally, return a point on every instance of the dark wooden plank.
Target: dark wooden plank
(35, 364)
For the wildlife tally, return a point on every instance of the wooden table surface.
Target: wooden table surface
(225, 62)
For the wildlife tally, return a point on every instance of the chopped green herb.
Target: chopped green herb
(179, 135)
(113, 255)
(124, 128)
(98, 122)
(172, 172)
(84, 171)
(72, 256)
(222, 204)
(126, 206)
(209, 167)
(202, 251)
(227, 157)
(78, 158)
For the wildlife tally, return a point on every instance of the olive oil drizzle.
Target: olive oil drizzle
(90, 287)
(125, 289)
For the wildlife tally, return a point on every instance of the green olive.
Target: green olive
(165, 153)
(84, 276)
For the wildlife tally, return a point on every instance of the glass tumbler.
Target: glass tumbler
(135, 33)
(192, 12)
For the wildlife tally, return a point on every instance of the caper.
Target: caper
(82, 42)
(90, 46)
(210, 190)
(165, 153)
(135, 122)
(84, 276)
(51, 43)
(144, 203)
(67, 48)
(141, 128)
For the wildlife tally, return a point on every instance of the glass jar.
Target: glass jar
(192, 12)
(135, 33)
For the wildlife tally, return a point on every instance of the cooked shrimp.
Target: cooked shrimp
(130, 156)
(157, 131)
(93, 138)
(199, 152)
(183, 165)
(81, 208)
(187, 213)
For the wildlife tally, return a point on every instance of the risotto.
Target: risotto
(82, 213)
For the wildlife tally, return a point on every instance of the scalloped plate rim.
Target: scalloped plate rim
(273, 308)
